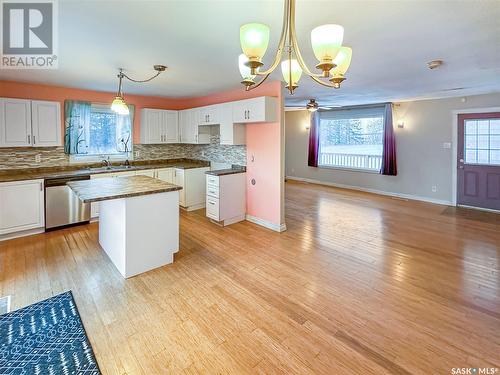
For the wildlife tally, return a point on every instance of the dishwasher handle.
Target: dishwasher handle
(63, 180)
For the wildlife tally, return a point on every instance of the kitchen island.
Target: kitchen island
(139, 220)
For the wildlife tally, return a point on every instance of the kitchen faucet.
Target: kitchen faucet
(106, 163)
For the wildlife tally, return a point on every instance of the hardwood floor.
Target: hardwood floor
(359, 284)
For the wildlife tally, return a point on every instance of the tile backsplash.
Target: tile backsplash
(26, 157)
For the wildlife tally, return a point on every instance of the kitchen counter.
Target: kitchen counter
(82, 170)
(228, 171)
(115, 188)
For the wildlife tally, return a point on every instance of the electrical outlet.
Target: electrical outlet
(447, 145)
(137, 154)
(434, 188)
(38, 158)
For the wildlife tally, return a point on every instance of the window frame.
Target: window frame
(85, 158)
(372, 111)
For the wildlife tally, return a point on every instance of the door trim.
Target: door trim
(454, 142)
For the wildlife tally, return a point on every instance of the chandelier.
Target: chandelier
(334, 59)
(119, 105)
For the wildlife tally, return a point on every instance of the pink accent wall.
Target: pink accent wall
(264, 141)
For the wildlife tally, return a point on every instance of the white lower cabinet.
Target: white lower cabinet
(165, 174)
(226, 198)
(192, 195)
(21, 206)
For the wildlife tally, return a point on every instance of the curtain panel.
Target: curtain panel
(76, 121)
(124, 126)
(389, 165)
(312, 160)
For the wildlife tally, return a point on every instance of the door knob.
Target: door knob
(461, 160)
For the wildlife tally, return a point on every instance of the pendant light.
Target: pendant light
(119, 105)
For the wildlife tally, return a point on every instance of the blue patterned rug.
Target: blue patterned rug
(46, 338)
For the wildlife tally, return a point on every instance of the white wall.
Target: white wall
(422, 160)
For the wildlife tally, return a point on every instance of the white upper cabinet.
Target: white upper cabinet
(260, 109)
(159, 126)
(151, 126)
(171, 118)
(46, 123)
(25, 123)
(209, 115)
(15, 122)
(190, 131)
(186, 134)
(230, 133)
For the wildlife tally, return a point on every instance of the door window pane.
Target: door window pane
(495, 141)
(495, 127)
(482, 141)
(470, 127)
(483, 127)
(482, 157)
(495, 157)
(470, 156)
(470, 141)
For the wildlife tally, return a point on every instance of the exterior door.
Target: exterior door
(478, 163)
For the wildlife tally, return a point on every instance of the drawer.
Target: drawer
(212, 190)
(212, 180)
(212, 208)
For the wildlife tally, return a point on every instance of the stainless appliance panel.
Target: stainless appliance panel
(62, 206)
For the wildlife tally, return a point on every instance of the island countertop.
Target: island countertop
(102, 189)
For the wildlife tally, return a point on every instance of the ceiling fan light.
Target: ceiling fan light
(296, 72)
(254, 39)
(312, 106)
(326, 41)
(119, 106)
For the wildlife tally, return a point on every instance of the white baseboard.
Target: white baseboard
(479, 208)
(24, 233)
(267, 224)
(373, 191)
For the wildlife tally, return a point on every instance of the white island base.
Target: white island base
(140, 233)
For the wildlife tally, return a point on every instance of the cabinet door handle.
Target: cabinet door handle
(34, 140)
(248, 118)
(29, 139)
(208, 118)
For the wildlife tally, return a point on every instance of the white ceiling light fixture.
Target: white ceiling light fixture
(119, 105)
(334, 59)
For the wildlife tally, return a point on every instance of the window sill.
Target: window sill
(79, 159)
(347, 169)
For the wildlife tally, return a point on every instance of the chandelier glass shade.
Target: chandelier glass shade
(326, 40)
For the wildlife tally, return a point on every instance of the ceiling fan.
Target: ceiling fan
(312, 106)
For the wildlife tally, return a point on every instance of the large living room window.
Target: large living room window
(351, 138)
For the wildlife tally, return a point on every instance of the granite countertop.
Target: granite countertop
(102, 189)
(83, 170)
(223, 172)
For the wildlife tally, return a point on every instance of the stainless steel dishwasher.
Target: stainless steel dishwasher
(62, 206)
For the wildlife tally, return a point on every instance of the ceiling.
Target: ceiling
(199, 42)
